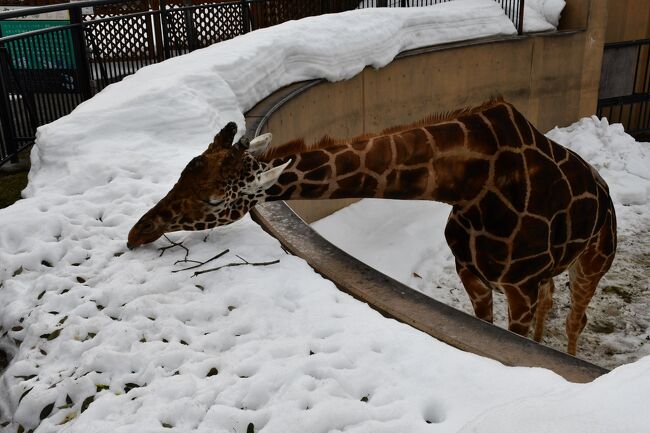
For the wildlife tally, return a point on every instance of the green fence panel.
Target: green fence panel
(52, 50)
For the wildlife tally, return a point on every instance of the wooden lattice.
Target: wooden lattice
(202, 26)
(267, 13)
(119, 47)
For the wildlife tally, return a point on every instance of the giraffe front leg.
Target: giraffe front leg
(544, 305)
(480, 294)
(522, 305)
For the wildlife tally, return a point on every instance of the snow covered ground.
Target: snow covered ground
(109, 340)
(405, 240)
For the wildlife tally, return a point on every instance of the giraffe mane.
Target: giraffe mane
(299, 145)
(445, 116)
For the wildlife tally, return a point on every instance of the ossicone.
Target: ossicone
(224, 138)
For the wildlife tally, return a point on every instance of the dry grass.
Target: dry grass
(10, 187)
(13, 179)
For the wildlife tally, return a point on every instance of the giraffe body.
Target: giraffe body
(524, 208)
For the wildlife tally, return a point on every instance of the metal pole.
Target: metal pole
(6, 119)
(80, 53)
(245, 17)
(165, 30)
(189, 26)
(520, 25)
(156, 27)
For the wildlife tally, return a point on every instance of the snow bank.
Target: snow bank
(616, 402)
(111, 340)
(622, 162)
(210, 86)
(539, 15)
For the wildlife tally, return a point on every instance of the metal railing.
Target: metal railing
(48, 69)
(624, 95)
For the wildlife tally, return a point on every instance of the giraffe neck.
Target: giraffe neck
(422, 163)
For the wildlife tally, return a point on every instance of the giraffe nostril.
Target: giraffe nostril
(147, 227)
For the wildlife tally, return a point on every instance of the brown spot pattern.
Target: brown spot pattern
(524, 208)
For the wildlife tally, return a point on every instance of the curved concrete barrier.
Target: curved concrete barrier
(316, 108)
(402, 303)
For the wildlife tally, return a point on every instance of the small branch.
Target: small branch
(224, 252)
(229, 265)
(186, 261)
(173, 244)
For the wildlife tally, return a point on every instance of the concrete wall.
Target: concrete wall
(552, 78)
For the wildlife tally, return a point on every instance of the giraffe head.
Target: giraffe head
(216, 188)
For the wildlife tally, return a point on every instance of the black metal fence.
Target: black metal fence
(47, 69)
(624, 94)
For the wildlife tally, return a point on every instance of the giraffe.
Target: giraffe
(524, 208)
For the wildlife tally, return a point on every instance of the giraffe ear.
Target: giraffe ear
(224, 139)
(266, 179)
(259, 144)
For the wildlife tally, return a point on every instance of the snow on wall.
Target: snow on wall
(550, 10)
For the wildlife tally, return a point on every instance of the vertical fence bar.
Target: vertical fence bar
(81, 55)
(245, 17)
(165, 28)
(26, 87)
(189, 26)
(19, 118)
(520, 21)
(156, 21)
(6, 120)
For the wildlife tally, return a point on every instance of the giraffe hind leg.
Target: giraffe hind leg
(583, 287)
(544, 305)
(479, 292)
(583, 281)
(584, 275)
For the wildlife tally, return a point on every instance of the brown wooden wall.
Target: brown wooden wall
(628, 20)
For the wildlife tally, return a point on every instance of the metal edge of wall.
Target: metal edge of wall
(391, 297)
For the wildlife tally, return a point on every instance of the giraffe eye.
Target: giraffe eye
(215, 202)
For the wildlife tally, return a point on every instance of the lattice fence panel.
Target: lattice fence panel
(271, 12)
(178, 24)
(217, 23)
(120, 46)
